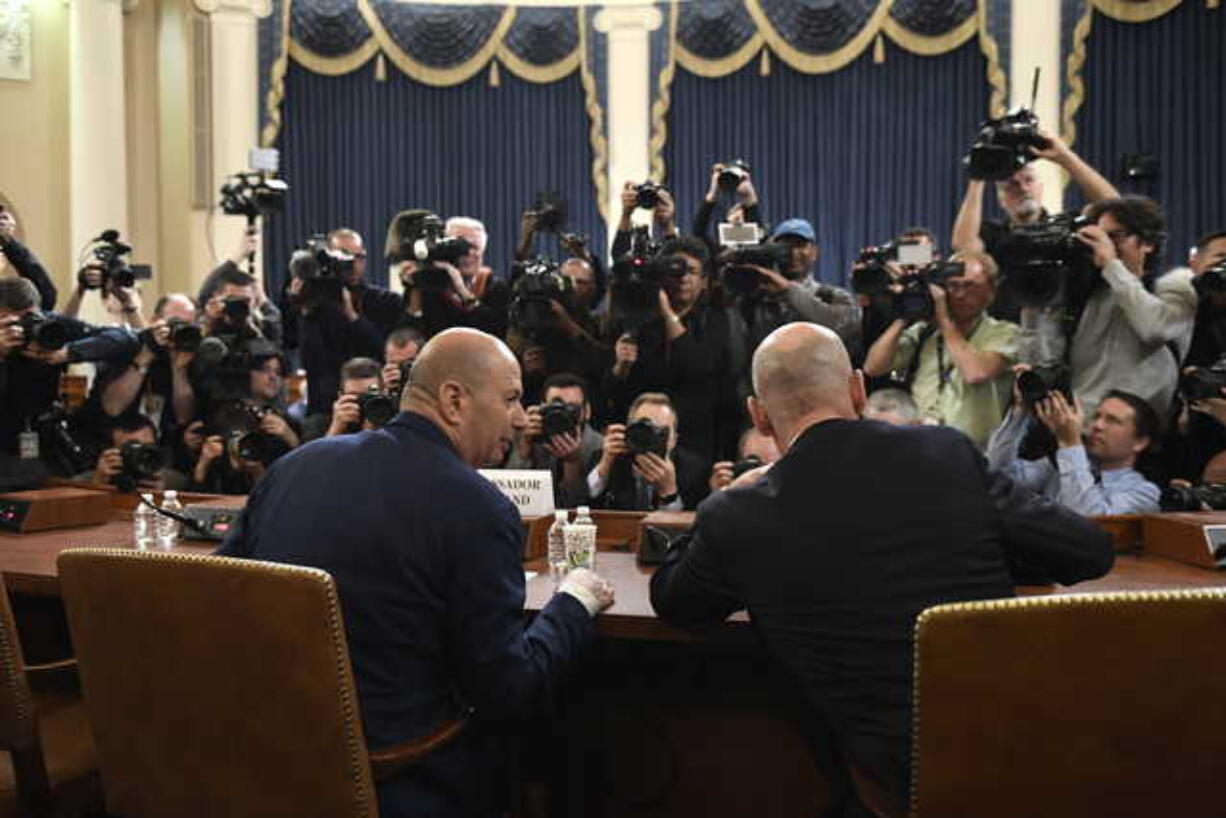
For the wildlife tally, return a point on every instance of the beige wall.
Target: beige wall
(34, 136)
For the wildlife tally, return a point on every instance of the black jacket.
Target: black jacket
(834, 553)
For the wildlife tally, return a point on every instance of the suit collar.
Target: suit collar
(420, 425)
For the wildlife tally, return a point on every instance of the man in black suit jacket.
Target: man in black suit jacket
(837, 547)
(426, 555)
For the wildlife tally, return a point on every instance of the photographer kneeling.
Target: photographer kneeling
(640, 467)
(559, 438)
(754, 451)
(957, 360)
(132, 460)
(1093, 477)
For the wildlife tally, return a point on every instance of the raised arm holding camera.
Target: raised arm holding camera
(644, 196)
(957, 358)
(24, 262)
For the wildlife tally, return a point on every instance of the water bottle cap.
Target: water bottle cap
(560, 515)
(148, 498)
(584, 510)
(170, 494)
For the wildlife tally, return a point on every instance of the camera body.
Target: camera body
(1203, 383)
(1039, 257)
(323, 271)
(745, 464)
(1193, 498)
(734, 265)
(647, 195)
(550, 210)
(223, 364)
(1038, 382)
(637, 278)
(559, 418)
(733, 174)
(913, 301)
(239, 423)
(140, 462)
(1212, 281)
(184, 336)
(377, 406)
(253, 195)
(645, 437)
(111, 259)
(427, 243)
(48, 331)
(1004, 146)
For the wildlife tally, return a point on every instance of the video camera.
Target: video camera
(253, 194)
(110, 259)
(645, 437)
(322, 269)
(912, 300)
(871, 274)
(223, 364)
(736, 265)
(1039, 257)
(1004, 146)
(48, 331)
(638, 276)
(427, 243)
(535, 283)
(140, 462)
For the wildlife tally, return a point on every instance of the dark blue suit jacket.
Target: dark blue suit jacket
(426, 555)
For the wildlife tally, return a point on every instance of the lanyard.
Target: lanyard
(944, 373)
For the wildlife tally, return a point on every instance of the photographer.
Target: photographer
(1021, 197)
(352, 410)
(754, 451)
(874, 279)
(132, 461)
(230, 280)
(743, 210)
(399, 353)
(34, 349)
(793, 294)
(233, 307)
(24, 262)
(640, 467)
(1136, 324)
(1208, 265)
(156, 382)
(957, 363)
(1092, 477)
(446, 283)
(682, 345)
(559, 438)
(647, 196)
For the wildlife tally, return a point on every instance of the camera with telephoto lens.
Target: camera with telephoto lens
(222, 366)
(322, 269)
(1212, 281)
(238, 422)
(1194, 498)
(534, 284)
(1038, 259)
(736, 265)
(913, 300)
(111, 261)
(645, 437)
(647, 195)
(253, 195)
(733, 174)
(48, 331)
(1038, 382)
(637, 278)
(376, 406)
(745, 464)
(184, 336)
(871, 276)
(1004, 146)
(428, 244)
(140, 462)
(1203, 383)
(559, 418)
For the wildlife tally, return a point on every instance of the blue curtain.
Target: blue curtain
(862, 152)
(1158, 88)
(355, 151)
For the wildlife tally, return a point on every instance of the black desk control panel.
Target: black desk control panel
(215, 522)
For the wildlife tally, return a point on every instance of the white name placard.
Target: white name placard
(530, 490)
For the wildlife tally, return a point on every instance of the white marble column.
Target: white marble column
(1036, 44)
(629, 100)
(98, 180)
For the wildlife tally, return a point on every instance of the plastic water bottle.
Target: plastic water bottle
(556, 551)
(144, 524)
(581, 541)
(167, 528)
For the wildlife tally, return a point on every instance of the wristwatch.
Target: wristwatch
(665, 499)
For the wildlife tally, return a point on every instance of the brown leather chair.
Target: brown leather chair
(53, 768)
(219, 686)
(1094, 705)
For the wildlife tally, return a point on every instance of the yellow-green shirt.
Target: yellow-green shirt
(939, 390)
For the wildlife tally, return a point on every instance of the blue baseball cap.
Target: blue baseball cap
(795, 227)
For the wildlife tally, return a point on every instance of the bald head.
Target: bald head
(461, 355)
(802, 369)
